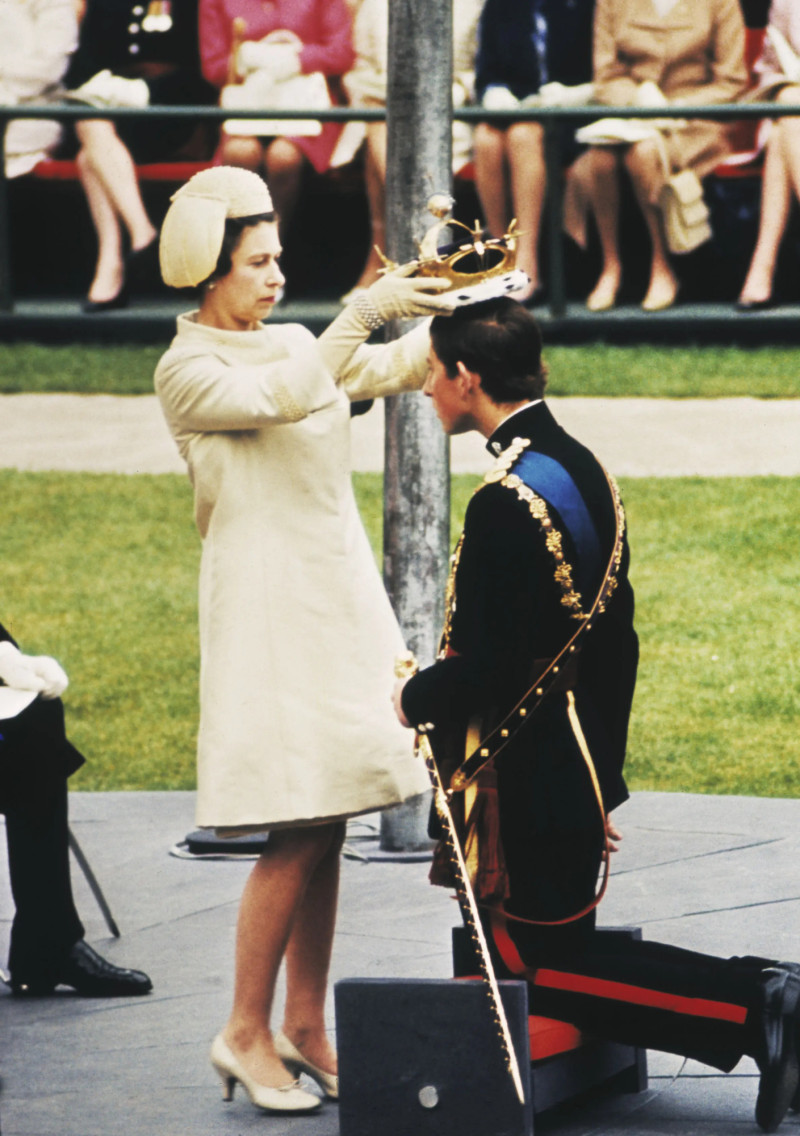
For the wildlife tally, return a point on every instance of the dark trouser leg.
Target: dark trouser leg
(642, 993)
(46, 924)
(655, 996)
(647, 994)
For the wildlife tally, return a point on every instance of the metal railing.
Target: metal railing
(554, 120)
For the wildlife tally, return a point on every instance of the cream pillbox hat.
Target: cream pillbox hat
(193, 229)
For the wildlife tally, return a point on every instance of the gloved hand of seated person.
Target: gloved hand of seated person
(280, 60)
(499, 98)
(31, 672)
(649, 94)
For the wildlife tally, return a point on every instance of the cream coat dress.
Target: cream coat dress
(297, 636)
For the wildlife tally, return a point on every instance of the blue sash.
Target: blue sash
(550, 480)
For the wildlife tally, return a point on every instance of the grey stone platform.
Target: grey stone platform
(716, 874)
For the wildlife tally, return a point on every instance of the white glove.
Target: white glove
(280, 60)
(108, 90)
(559, 95)
(499, 98)
(649, 94)
(31, 672)
(399, 295)
(52, 675)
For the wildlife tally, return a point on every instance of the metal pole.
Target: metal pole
(417, 484)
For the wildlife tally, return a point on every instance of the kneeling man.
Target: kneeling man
(529, 703)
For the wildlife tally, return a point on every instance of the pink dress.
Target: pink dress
(324, 26)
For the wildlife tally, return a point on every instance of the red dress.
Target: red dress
(323, 26)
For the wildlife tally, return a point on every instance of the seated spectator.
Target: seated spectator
(154, 47)
(649, 52)
(37, 38)
(47, 944)
(366, 87)
(778, 72)
(276, 43)
(527, 53)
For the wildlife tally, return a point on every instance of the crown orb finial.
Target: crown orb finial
(441, 205)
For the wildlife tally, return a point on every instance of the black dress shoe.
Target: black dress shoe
(93, 307)
(87, 973)
(755, 305)
(778, 1052)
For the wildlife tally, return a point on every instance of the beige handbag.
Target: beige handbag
(258, 90)
(686, 222)
(686, 216)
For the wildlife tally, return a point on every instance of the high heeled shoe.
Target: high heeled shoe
(296, 1063)
(662, 299)
(94, 307)
(603, 298)
(281, 1098)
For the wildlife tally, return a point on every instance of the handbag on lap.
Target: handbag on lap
(260, 90)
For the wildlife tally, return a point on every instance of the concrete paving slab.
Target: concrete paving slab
(634, 437)
(710, 873)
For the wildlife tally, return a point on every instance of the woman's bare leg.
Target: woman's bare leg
(109, 159)
(491, 177)
(108, 177)
(528, 174)
(644, 164)
(789, 130)
(597, 174)
(241, 150)
(776, 199)
(109, 269)
(308, 956)
(283, 165)
(271, 904)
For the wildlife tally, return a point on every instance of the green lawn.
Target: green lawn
(100, 571)
(588, 369)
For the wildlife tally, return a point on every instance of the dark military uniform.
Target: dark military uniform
(538, 538)
(35, 761)
(156, 40)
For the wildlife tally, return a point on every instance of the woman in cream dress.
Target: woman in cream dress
(297, 638)
(654, 53)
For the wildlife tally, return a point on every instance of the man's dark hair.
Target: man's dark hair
(498, 340)
(234, 228)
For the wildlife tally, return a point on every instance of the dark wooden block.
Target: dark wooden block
(421, 1057)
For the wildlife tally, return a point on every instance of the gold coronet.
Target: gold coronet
(472, 261)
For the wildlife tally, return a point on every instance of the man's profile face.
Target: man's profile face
(447, 396)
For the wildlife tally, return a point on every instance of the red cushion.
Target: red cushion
(57, 170)
(549, 1037)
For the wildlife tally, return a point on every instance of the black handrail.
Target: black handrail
(551, 118)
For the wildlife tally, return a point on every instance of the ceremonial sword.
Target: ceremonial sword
(406, 666)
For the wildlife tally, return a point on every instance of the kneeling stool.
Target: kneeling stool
(422, 1056)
